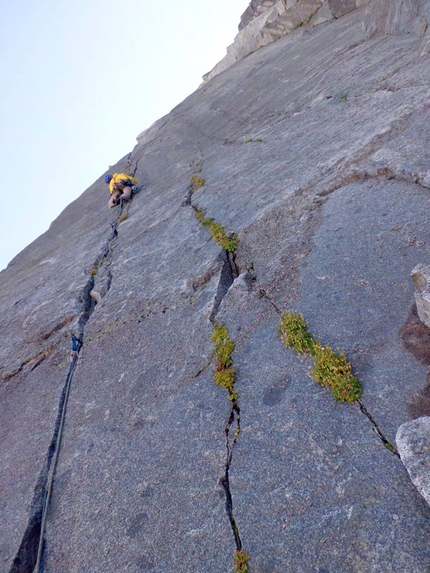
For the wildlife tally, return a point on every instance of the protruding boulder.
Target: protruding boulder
(421, 277)
(413, 444)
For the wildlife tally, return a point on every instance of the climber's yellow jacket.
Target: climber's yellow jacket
(118, 180)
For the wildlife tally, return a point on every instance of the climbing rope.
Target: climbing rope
(78, 345)
(74, 354)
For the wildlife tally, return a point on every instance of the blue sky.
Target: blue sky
(80, 80)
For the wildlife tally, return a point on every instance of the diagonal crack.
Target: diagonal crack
(376, 429)
(263, 295)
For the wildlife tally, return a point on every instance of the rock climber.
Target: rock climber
(120, 187)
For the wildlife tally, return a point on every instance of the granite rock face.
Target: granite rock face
(413, 442)
(312, 154)
(397, 17)
(265, 22)
(421, 278)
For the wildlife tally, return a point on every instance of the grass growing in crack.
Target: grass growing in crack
(224, 375)
(241, 561)
(294, 333)
(123, 217)
(197, 182)
(227, 242)
(96, 267)
(331, 369)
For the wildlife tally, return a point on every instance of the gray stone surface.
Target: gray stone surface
(420, 276)
(413, 442)
(265, 22)
(397, 17)
(314, 151)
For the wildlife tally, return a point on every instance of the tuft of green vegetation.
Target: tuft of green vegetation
(123, 217)
(227, 242)
(197, 182)
(258, 140)
(294, 333)
(331, 369)
(241, 561)
(224, 375)
(96, 267)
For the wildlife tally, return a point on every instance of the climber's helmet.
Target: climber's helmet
(108, 177)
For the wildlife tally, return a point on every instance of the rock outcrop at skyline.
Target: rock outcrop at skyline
(266, 21)
(295, 181)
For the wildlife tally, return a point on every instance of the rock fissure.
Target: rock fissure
(363, 409)
(225, 377)
(376, 428)
(226, 279)
(29, 557)
(357, 151)
(34, 360)
(30, 553)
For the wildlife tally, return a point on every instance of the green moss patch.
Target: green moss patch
(197, 182)
(241, 561)
(331, 369)
(224, 375)
(227, 242)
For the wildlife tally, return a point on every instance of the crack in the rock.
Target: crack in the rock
(187, 200)
(226, 279)
(376, 429)
(263, 294)
(229, 271)
(29, 557)
(363, 409)
(202, 369)
(32, 544)
(36, 359)
(225, 479)
(225, 377)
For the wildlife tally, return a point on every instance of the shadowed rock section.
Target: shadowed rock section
(313, 152)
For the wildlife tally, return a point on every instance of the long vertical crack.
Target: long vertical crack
(225, 479)
(224, 374)
(29, 557)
